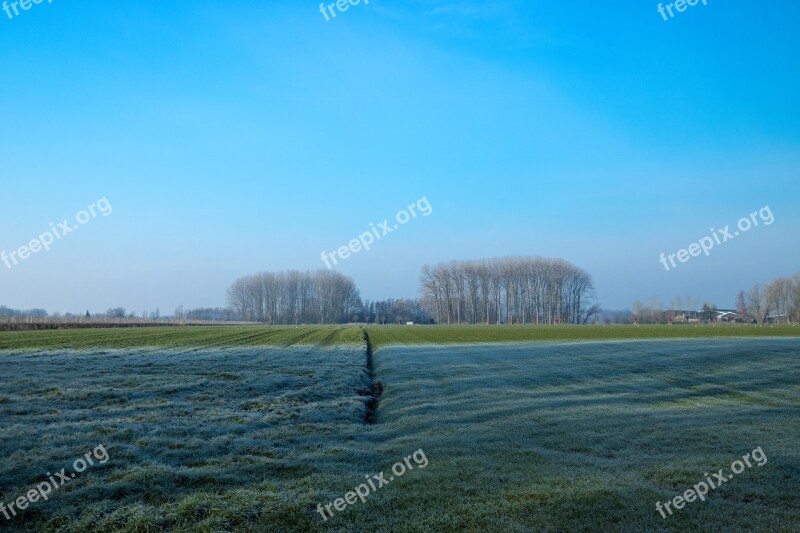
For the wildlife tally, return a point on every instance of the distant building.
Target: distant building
(726, 315)
(777, 319)
(682, 317)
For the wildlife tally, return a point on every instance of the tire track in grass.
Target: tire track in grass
(216, 341)
(329, 339)
(246, 340)
(300, 338)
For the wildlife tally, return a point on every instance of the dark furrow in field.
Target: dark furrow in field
(375, 387)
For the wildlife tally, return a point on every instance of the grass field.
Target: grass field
(380, 336)
(587, 437)
(209, 440)
(182, 337)
(249, 428)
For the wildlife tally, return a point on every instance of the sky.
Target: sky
(230, 138)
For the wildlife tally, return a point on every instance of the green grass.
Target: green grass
(381, 336)
(182, 337)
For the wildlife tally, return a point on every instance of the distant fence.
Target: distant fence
(44, 323)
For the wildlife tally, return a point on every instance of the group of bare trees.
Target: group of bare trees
(393, 311)
(323, 297)
(512, 290)
(777, 302)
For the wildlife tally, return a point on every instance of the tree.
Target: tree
(778, 301)
(756, 306)
(708, 313)
(741, 308)
(796, 298)
(770, 301)
(636, 312)
(589, 313)
(117, 312)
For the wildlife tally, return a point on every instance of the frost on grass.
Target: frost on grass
(522, 437)
(210, 438)
(588, 436)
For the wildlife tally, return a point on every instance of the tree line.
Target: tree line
(512, 290)
(777, 302)
(292, 298)
(7, 312)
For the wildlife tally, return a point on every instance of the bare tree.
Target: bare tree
(796, 298)
(756, 305)
(741, 307)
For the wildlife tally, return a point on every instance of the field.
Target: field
(379, 336)
(250, 428)
(587, 437)
(182, 337)
(208, 439)
(415, 335)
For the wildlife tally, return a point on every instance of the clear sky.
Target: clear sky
(238, 137)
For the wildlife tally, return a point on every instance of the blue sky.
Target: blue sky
(238, 137)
